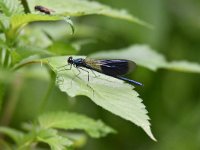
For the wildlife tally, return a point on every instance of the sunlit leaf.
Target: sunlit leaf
(112, 94)
(65, 120)
(83, 7)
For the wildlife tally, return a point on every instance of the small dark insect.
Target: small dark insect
(44, 9)
(113, 67)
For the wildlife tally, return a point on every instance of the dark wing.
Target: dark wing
(113, 67)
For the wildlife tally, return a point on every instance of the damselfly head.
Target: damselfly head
(70, 60)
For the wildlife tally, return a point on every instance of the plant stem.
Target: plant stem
(6, 59)
(51, 84)
(12, 101)
(49, 90)
(13, 98)
(2, 93)
(30, 62)
(1, 55)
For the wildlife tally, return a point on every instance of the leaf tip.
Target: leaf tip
(147, 129)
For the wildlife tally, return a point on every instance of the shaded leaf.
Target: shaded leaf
(55, 141)
(112, 94)
(22, 53)
(65, 120)
(34, 37)
(184, 66)
(62, 48)
(144, 56)
(141, 54)
(69, 21)
(14, 134)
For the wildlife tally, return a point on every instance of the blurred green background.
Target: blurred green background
(172, 98)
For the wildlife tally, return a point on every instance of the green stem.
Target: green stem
(28, 63)
(2, 93)
(51, 84)
(49, 91)
(1, 55)
(6, 59)
(11, 102)
(13, 98)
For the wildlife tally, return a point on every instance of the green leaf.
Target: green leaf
(55, 141)
(19, 20)
(11, 7)
(83, 7)
(4, 22)
(14, 134)
(71, 24)
(22, 53)
(37, 135)
(144, 56)
(112, 94)
(141, 54)
(34, 37)
(65, 120)
(183, 66)
(62, 48)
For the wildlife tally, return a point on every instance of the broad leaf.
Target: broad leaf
(112, 94)
(11, 7)
(65, 120)
(19, 20)
(83, 7)
(4, 22)
(144, 56)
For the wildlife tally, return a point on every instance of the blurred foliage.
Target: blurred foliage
(27, 90)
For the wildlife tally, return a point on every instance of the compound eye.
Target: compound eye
(69, 60)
